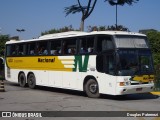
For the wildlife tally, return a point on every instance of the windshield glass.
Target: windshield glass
(130, 41)
(134, 62)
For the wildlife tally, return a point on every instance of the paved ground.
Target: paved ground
(50, 99)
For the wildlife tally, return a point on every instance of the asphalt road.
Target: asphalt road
(51, 99)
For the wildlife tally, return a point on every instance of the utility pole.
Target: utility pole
(116, 15)
(20, 30)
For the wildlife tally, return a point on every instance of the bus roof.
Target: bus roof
(75, 33)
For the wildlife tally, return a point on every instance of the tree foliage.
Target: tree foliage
(63, 29)
(85, 10)
(121, 2)
(3, 40)
(108, 28)
(154, 40)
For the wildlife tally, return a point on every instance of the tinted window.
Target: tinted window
(21, 49)
(32, 49)
(86, 45)
(11, 50)
(69, 46)
(104, 43)
(42, 48)
(129, 41)
(105, 64)
(55, 47)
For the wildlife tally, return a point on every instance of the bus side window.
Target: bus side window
(42, 48)
(86, 45)
(69, 46)
(104, 43)
(9, 50)
(14, 50)
(31, 52)
(55, 47)
(21, 49)
(31, 48)
(82, 46)
(90, 44)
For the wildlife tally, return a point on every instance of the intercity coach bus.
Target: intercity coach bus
(99, 62)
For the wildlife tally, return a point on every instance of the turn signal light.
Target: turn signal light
(122, 84)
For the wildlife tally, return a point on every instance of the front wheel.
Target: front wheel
(92, 89)
(31, 81)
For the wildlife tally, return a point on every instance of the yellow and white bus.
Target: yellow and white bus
(99, 62)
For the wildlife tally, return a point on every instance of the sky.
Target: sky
(36, 16)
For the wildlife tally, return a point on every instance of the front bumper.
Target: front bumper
(131, 89)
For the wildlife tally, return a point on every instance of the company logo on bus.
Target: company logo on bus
(45, 60)
(144, 78)
(10, 60)
(81, 64)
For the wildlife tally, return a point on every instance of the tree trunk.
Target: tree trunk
(82, 25)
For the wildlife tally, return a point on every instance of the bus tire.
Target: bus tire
(31, 81)
(22, 80)
(92, 89)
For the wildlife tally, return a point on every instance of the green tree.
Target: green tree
(85, 10)
(154, 40)
(63, 29)
(107, 28)
(120, 2)
(3, 40)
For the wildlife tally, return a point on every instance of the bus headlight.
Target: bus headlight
(128, 83)
(151, 81)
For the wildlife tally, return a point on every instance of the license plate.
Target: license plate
(138, 89)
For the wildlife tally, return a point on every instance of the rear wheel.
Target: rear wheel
(92, 89)
(22, 80)
(31, 81)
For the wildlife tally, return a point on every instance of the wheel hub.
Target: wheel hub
(93, 88)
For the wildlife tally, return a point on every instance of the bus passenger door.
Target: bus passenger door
(110, 72)
(106, 66)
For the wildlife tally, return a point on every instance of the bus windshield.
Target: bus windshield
(135, 62)
(129, 41)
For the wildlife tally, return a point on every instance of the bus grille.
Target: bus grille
(139, 83)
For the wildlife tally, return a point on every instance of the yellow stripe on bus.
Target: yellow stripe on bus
(37, 63)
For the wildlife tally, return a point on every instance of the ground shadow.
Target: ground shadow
(50, 89)
(140, 96)
(60, 90)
